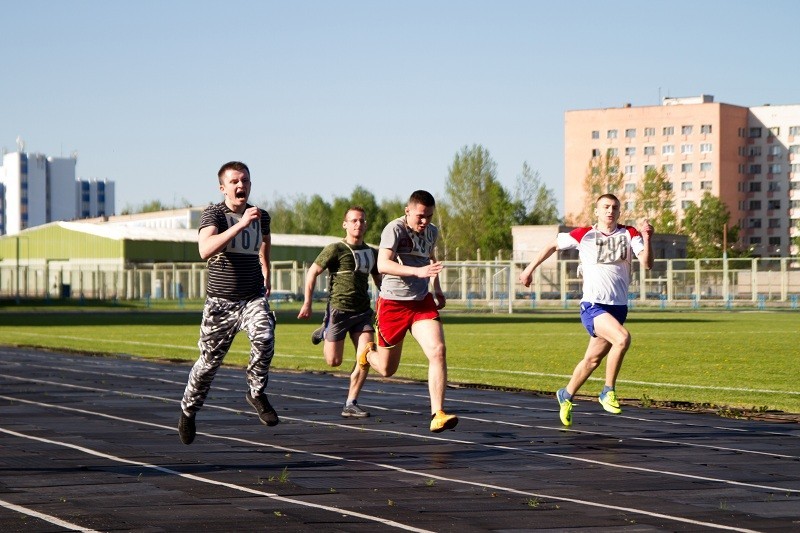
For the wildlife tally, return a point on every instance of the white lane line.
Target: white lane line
(362, 428)
(46, 517)
(201, 479)
(482, 404)
(427, 475)
(489, 370)
(454, 400)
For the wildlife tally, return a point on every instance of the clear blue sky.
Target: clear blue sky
(318, 97)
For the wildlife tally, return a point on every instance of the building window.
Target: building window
(754, 186)
(774, 186)
(774, 241)
(794, 149)
(754, 223)
(595, 134)
(686, 185)
(755, 240)
(687, 148)
(686, 167)
(630, 169)
(629, 206)
(611, 134)
(794, 130)
(754, 151)
(796, 168)
(630, 150)
(774, 223)
(649, 132)
(755, 205)
(775, 168)
(649, 168)
(755, 169)
(755, 133)
(773, 204)
(630, 133)
(612, 152)
(668, 168)
(774, 131)
(705, 128)
(685, 204)
(649, 150)
(630, 187)
(686, 130)
(705, 148)
(705, 167)
(667, 149)
(668, 130)
(775, 150)
(595, 152)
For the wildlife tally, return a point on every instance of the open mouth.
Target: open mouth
(240, 195)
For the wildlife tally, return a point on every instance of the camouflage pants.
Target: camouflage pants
(222, 320)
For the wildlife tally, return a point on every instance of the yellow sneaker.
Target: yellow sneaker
(441, 421)
(362, 357)
(565, 407)
(609, 402)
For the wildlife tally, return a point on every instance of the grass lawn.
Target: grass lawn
(727, 360)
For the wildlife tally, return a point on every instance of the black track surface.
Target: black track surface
(91, 443)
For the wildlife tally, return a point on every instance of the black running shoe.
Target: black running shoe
(316, 336)
(265, 411)
(186, 428)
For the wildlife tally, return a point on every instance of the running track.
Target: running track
(90, 443)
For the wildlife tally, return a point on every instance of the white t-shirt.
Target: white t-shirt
(411, 249)
(605, 260)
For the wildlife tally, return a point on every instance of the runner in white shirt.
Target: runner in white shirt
(606, 251)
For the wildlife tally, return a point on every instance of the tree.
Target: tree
(654, 200)
(705, 225)
(282, 214)
(479, 211)
(154, 206)
(317, 216)
(533, 202)
(603, 176)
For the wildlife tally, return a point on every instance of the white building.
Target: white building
(36, 189)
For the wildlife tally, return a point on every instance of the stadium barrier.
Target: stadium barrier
(691, 283)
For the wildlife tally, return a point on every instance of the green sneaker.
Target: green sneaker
(565, 412)
(609, 402)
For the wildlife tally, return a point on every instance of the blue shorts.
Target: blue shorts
(590, 310)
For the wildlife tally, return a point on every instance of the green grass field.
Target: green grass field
(728, 361)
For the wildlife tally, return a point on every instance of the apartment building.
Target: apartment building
(748, 157)
(36, 189)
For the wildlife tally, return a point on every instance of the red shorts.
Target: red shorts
(395, 318)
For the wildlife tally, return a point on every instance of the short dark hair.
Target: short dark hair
(354, 208)
(608, 196)
(233, 165)
(423, 198)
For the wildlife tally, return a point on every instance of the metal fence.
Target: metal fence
(729, 283)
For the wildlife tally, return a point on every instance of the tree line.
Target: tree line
(475, 213)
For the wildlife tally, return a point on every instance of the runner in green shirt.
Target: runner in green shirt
(349, 263)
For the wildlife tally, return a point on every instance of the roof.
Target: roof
(139, 233)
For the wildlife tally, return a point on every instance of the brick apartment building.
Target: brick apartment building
(749, 157)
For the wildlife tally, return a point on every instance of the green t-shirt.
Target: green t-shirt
(349, 268)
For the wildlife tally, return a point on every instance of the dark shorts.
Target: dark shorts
(590, 310)
(395, 318)
(339, 323)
